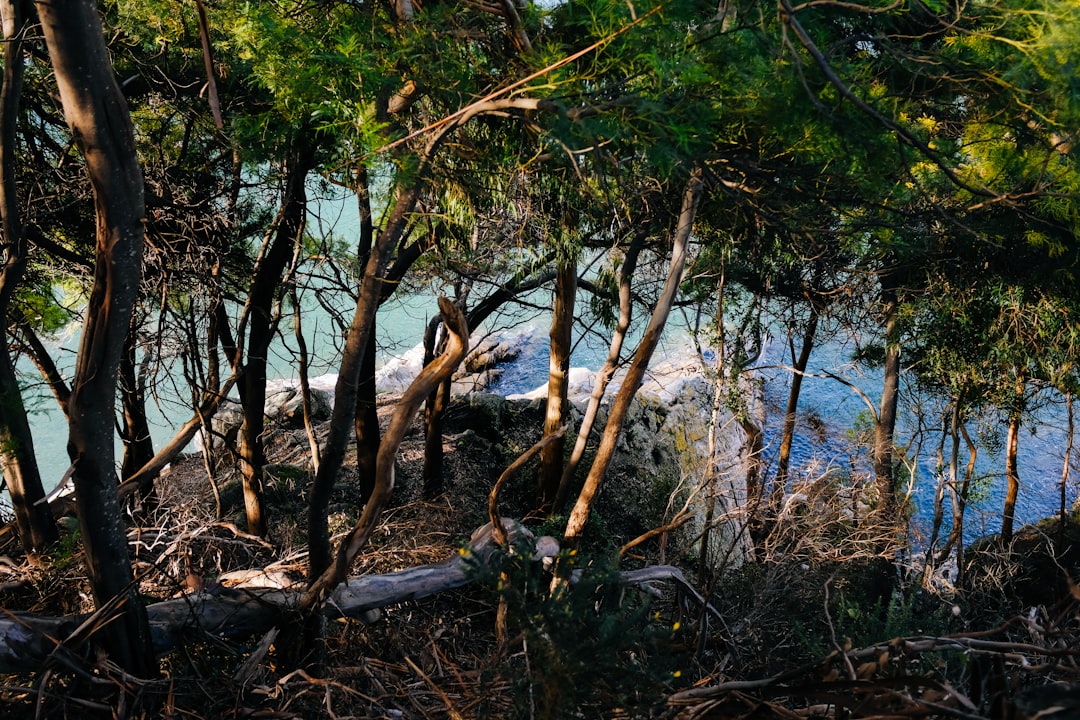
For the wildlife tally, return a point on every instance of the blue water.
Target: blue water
(400, 327)
(840, 410)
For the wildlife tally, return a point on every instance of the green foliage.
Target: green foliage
(66, 551)
(905, 614)
(589, 645)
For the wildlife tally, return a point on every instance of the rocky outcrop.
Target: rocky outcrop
(284, 406)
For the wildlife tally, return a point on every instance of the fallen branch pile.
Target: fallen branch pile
(1025, 668)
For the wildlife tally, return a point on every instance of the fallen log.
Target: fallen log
(28, 640)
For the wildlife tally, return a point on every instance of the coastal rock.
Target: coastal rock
(292, 410)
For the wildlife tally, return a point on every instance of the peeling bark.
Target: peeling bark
(100, 123)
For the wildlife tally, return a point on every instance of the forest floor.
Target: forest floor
(809, 629)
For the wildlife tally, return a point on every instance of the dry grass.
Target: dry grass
(786, 641)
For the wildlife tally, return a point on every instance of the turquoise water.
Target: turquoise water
(401, 324)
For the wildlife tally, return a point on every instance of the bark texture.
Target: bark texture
(885, 427)
(783, 461)
(604, 375)
(636, 372)
(36, 527)
(562, 325)
(100, 123)
(1012, 474)
(265, 285)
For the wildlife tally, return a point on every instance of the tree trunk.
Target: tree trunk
(434, 410)
(956, 497)
(562, 325)
(788, 435)
(964, 494)
(350, 373)
(101, 126)
(36, 527)
(367, 416)
(885, 427)
(1069, 434)
(604, 375)
(367, 424)
(35, 349)
(1012, 474)
(134, 429)
(309, 647)
(583, 507)
(302, 370)
(288, 228)
(440, 401)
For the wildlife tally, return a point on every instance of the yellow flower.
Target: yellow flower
(676, 626)
(677, 673)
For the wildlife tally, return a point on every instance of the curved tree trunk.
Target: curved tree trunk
(101, 126)
(350, 375)
(438, 402)
(583, 507)
(36, 527)
(783, 461)
(604, 375)
(309, 647)
(562, 325)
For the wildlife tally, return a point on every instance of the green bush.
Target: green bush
(589, 643)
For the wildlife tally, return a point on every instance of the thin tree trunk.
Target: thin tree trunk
(885, 427)
(788, 435)
(347, 389)
(404, 414)
(727, 495)
(180, 440)
(1065, 463)
(583, 507)
(434, 408)
(439, 401)
(134, 429)
(603, 377)
(101, 126)
(31, 344)
(562, 325)
(32, 517)
(366, 422)
(305, 385)
(1012, 474)
(955, 500)
(939, 503)
(265, 285)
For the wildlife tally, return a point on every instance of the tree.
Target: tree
(575, 525)
(101, 126)
(36, 527)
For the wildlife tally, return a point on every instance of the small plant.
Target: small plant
(586, 640)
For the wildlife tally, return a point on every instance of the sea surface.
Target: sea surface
(830, 412)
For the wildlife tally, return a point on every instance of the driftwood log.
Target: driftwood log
(30, 642)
